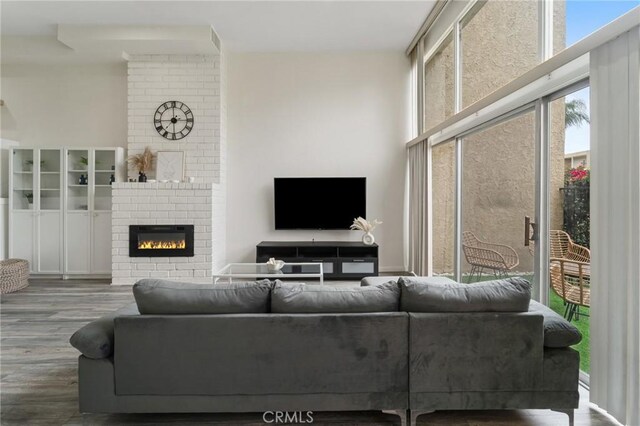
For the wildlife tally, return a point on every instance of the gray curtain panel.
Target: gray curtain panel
(417, 209)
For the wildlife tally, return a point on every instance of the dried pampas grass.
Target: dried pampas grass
(141, 162)
(362, 224)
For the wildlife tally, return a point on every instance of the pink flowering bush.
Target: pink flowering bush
(578, 176)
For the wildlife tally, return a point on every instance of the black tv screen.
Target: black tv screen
(319, 203)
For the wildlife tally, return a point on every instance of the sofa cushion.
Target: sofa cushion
(507, 295)
(558, 332)
(372, 281)
(162, 297)
(302, 298)
(95, 340)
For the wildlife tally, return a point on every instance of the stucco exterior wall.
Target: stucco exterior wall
(498, 163)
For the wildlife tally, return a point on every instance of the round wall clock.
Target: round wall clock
(173, 120)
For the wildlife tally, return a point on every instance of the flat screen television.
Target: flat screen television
(319, 203)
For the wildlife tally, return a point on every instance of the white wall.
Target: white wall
(304, 114)
(56, 105)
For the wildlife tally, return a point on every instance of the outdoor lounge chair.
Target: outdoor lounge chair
(571, 280)
(481, 255)
(563, 247)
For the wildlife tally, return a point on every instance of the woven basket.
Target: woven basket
(14, 275)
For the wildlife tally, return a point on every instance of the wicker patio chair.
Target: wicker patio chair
(481, 255)
(571, 281)
(561, 246)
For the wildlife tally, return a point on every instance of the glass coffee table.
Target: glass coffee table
(235, 271)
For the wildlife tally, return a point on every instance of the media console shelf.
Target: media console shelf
(341, 260)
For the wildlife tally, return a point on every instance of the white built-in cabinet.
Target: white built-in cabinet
(58, 221)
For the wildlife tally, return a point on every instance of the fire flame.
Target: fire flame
(155, 245)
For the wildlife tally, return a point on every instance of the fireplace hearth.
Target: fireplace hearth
(160, 240)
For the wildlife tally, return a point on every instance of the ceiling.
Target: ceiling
(243, 26)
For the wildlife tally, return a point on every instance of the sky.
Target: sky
(583, 18)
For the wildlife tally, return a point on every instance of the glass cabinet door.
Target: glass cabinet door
(105, 172)
(23, 179)
(78, 180)
(49, 194)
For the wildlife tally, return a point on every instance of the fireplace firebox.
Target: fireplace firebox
(161, 241)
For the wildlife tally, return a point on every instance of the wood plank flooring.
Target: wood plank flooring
(38, 374)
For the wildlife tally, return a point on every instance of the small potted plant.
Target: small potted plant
(365, 226)
(28, 165)
(142, 163)
(83, 164)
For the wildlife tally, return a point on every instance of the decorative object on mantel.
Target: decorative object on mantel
(173, 120)
(142, 163)
(170, 165)
(274, 265)
(362, 224)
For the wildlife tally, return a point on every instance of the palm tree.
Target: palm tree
(575, 113)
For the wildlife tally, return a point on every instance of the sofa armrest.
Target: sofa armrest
(475, 352)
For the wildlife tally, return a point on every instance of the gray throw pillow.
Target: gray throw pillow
(558, 332)
(302, 298)
(95, 340)
(162, 297)
(507, 295)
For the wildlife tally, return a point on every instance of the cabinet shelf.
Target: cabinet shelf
(78, 171)
(22, 173)
(49, 173)
(77, 185)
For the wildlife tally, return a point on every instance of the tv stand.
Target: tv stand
(341, 260)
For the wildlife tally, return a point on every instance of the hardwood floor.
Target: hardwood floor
(39, 382)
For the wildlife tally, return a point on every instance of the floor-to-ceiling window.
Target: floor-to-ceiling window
(498, 191)
(486, 181)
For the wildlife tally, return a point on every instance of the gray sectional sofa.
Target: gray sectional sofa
(417, 344)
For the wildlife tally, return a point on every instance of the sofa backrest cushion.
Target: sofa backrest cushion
(507, 295)
(558, 332)
(95, 340)
(302, 298)
(161, 297)
(369, 281)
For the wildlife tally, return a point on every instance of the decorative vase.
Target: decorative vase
(368, 238)
(142, 177)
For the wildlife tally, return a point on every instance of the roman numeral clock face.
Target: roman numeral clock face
(173, 120)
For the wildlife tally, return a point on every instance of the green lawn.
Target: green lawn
(582, 322)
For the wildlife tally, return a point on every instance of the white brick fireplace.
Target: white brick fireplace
(198, 81)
